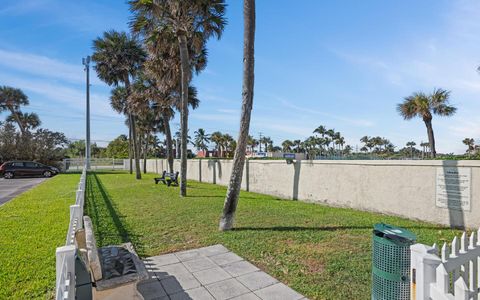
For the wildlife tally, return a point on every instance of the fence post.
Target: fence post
(424, 263)
(65, 261)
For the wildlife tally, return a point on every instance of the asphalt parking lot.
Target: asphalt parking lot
(9, 188)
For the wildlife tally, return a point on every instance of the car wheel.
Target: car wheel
(8, 175)
(47, 174)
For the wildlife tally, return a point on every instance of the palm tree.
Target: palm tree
(231, 199)
(411, 145)
(287, 146)
(201, 139)
(321, 130)
(27, 120)
(216, 138)
(118, 102)
(10, 100)
(252, 143)
(190, 22)
(470, 143)
(298, 145)
(118, 59)
(425, 106)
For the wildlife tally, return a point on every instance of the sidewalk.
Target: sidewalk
(210, 273)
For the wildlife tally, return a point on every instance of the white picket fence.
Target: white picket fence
(65, 256)
(448, 274)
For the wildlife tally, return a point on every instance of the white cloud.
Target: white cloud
(44, 66)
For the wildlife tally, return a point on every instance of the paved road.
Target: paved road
(9, 188)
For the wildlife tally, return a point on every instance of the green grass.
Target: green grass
(31, 227)
(322, 252)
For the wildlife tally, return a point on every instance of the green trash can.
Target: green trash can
(391, 262)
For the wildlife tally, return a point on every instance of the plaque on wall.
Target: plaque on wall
(453, 188)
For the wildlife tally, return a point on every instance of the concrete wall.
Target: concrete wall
(404, 188)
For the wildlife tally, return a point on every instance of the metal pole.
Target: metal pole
(86, 63)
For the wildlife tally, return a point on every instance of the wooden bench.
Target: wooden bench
(168, 178)
(114, 270)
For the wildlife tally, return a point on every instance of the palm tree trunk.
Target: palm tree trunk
(145, 150)
(169, 143)
(231, 199)
(17, 119)
(130, 142)
(431, 137)
(138, 173)
(184, 57)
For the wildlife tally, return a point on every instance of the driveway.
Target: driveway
(9, 188)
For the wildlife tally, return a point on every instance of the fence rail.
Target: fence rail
(77, 164)
(448, 274)
(65, 256)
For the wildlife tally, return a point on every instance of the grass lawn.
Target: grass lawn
(31, 227)
(320, 251)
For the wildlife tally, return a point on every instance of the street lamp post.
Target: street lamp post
(86, 63)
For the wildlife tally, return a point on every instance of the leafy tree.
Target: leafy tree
(118, 148)
(287, 145)
(231, 199)
(118, 59)
(28, 121)
(119, 103)
(425, 106)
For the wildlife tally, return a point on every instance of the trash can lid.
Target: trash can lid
(394, 233)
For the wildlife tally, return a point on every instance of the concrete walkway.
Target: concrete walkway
(210, 273)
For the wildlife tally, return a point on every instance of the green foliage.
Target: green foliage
(118, 148)
(313, 248)
(32, 226)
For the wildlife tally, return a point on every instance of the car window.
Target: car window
(17, 164)
(30, 164)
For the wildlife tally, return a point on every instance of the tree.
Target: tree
(231, 199)
(425, 106)
(119, 103)
(201, 139)
(10, 100)
(470, 143)
(411, 145)
(118, 59)
(287, 146)
(189, 21)
(27, 121)
(216, 138)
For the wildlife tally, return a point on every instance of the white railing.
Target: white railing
(448, 274)
(65, 256)
(77, 164)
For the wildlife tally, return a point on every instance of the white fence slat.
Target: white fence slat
(461, 290)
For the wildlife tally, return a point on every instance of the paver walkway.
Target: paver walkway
(210, 273)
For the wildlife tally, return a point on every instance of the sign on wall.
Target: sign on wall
(453, 188)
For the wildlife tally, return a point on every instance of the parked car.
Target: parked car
(12, 169)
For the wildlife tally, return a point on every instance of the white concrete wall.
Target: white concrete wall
(404, 188)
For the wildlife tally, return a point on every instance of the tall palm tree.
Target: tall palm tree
(201, 139)
(118, 102)
(231, 199)
(216, 138)
(10, 100)
(118, 59)
(425, 106)
(190, 22)
(27, 120)
(321, 130)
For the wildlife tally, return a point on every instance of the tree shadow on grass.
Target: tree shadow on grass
(108, 224)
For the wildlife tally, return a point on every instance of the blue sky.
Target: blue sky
(342, 64)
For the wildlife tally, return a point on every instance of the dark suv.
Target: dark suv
(12, 169)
